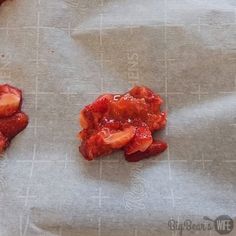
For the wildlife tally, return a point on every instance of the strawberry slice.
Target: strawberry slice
(154, 101)
(156, 121)
(3, 142)
(128, 107)
(141, 92)
(11, 126)
(120, 138)
(141, 141)
(84, 122)
(10, 100)
(105, 141)
(9, 104)
(91, 114)
(6, 88)
(155, 148)
(94, 147)
(101, 103)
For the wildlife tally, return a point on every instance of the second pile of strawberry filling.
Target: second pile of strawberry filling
(12, 120)
(124, 122)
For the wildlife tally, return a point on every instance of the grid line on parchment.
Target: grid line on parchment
(131, 27)
(166, 80)
(35, 126)
(203, 161)
(7, 30)
(233, 90)
(199, 93)
(101, 88)
(23, 230)
(36, 95)
(166, 98)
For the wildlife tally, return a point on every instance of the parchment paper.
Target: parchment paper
(63, 54)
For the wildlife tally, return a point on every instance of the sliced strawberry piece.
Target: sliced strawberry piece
(141, 92)
(9, 104)
(11, 126)
(105, 141)
(128, 107)
(86, 118)
(111, 124)
(91, 114)
(89, 119)
(155, 104)
(120, 138)
(156, 121)
(83, 120)
(6, 88)
(94, 147)
(10, 100)
(150, 97)
(3, 142)
(85, 134)
(141, 141)
(155, 148)
(101, 103)
(153, 121)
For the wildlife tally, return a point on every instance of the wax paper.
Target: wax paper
(65, 53)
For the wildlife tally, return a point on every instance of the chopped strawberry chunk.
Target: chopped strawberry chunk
(11, 126)
(141, 141)
(142, 92)
(10, 100)
(94, 147)
(9, 104)
(155, 148)
(120, 138)
(123, 121)
(128, 107)
(105, 141)
(156, 121)
(6, 88)
(101, 104)
(91, 115)
(12, 120)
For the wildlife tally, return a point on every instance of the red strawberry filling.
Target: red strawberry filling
(127, 122)
(12, 120)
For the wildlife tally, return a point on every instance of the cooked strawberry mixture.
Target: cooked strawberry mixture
(12, 120)
(126, 122)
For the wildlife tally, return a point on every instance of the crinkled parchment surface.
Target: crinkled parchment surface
(63, 54)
